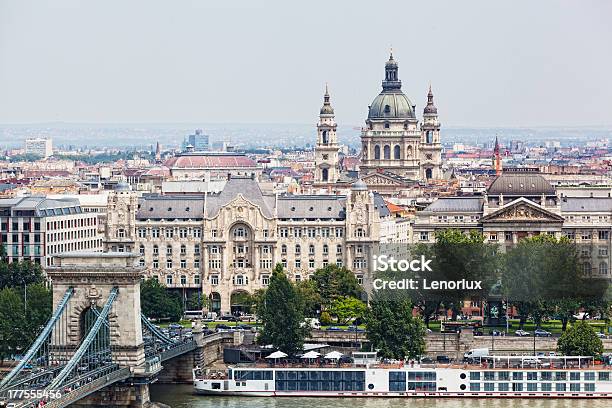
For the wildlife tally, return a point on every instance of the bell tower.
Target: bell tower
(326, 150)
(430, 146)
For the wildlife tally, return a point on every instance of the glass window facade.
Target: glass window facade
(252, 375)
(320, 380)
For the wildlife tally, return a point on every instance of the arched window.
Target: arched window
(428, 173)
(377, 152)
(311, 249)
(324, 137)
(155, 250)
(283, 249)
(386, 125)
(142, 250)
(429, 137)
(325, 174)
(183, 249)
(168, 279)
(240, 232)
(396, 152)
(298, 249)
(169, 250)
(586, 268)
(387, 152)
(409, 151)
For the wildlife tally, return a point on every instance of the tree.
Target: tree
(37, 311)
(580, 340)
(11, 319)
(282, 314)
(311, 299)
(392, 329)
(156, 302)
(542, 277)
(333, 282)
(347, 308)
(19, 273)
(195, 301)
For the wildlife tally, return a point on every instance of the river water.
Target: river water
(182, 396)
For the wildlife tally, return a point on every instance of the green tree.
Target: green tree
(580, 340)
(19, 273)
(282, 314)
(458, 256)
(347, 308)
(11, 320)
(311, 299)
(333, 282)
(37, 311)
(195, 301)
(392, 329)
(158, 303)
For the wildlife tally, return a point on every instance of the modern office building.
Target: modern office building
(36, 228)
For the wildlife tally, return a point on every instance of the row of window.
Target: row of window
(169, 232)
(546, 387)
(183, 279)
(535, 376)
(75, 234)
(169, 250)
(602, 235)
(311, 232)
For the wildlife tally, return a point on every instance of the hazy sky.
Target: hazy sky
(491, 63)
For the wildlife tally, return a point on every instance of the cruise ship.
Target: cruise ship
(491, 376)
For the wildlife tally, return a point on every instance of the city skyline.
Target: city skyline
(184, 64)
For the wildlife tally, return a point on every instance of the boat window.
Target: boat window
(216, 386)
(603, 376)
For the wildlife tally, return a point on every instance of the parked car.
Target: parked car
(478, 333)
(333, 328)
(427, 360)
(174, 326)
(542, 333)
(443, 359)
(356, 329)
(601, 335)
(521, 333)
(223, 328)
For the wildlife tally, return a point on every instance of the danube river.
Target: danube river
(181, 396)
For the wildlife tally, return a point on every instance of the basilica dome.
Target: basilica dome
(391, 103)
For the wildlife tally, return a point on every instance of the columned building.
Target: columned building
(394, 147)
(522, 205)
(326, 149)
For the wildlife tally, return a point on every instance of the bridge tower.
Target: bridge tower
(94, 277)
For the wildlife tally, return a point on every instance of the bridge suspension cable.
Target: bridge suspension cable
(83, 349)
(40, 342)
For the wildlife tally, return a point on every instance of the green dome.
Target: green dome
(391, 105)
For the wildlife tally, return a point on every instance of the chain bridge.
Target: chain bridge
(98, 349)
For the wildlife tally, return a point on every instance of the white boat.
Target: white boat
(493, 376)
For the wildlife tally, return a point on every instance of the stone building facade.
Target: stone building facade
(521, 205)
(223, 244)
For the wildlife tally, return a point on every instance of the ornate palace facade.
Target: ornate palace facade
(227, 243)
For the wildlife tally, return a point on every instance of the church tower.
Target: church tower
(326, 150)
(390, 141)
(430, 149)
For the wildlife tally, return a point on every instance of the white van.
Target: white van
(476, 353)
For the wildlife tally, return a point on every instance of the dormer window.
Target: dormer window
(169, 208)
(387, 109)
(386, 125)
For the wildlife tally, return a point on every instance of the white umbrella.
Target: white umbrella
(310, 354)
(333, 355)
(277, 354)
